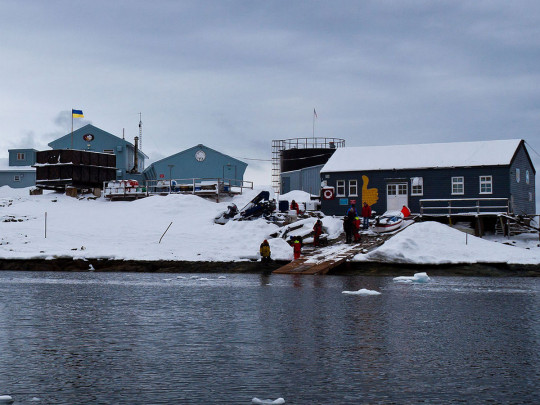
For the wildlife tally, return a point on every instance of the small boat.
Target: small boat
(389, 221)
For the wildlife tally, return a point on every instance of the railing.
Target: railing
(310, 143)
(454, 206)
(199, 186)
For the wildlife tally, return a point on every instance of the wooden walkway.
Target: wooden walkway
(321, 261)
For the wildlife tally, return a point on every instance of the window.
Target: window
(527, 178)
(353, 188)
(111, 151)
(530, 196)
(20, 156)
(486, 185)
(402, 189)
(340, 186)
(518, 173)
(391, 189)
(458, 186)
(417, 186)
(17, 177)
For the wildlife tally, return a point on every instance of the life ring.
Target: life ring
(328, 194)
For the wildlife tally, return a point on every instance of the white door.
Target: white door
(396, 196)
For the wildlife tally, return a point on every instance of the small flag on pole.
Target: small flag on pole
(77, 113)
(315, 113)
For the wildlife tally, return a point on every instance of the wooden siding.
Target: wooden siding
(436, 185)
(523, 195)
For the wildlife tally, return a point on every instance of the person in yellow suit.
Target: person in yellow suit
(265, 252)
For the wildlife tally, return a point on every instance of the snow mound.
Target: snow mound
(362, 291)
(435, 243)
(296, 195)
(417, 278)
(268, 401)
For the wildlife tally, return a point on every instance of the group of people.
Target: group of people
(296, 243)
(352, 222)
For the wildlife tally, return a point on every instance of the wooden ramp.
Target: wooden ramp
(321, 263)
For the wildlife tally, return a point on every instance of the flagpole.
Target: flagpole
(71, 129)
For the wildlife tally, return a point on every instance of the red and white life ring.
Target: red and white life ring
(328, 193)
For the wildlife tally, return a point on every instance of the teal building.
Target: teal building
(197, 162)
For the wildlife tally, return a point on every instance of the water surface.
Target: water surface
(122, 338)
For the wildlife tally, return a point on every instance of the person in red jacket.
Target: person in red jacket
(366, 215)
(294, 206)
(297, 247)
(356, 229)
(317, 231)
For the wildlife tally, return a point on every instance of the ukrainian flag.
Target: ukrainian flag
(77, 114)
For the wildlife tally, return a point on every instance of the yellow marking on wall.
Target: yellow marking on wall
(369, 195)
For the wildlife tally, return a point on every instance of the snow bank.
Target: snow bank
(130, 230)
(362, 291)
(417, 278)
(435, 243)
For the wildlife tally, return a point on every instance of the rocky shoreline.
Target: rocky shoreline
(349, 268)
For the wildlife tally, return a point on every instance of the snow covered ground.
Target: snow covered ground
(131, 230)
(435, 243)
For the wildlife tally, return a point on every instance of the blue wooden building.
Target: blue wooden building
(19, 173)
(442, 178)
(198, 162)
(95, 139)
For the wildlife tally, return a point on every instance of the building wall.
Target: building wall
(307, 179)
(185, 165)
(437, 184)
(522, 191)
(29, 157)
(26, 178)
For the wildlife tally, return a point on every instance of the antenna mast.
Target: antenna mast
(140, 131)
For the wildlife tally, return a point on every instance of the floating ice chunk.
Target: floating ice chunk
(268, 401)
(204, 279)
(180, 277)
(91, 268)
(362, 291)
(167, 279)
(222, 277)
(417, 278)
(6, 399)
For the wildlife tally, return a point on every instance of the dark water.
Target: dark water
(109, 338)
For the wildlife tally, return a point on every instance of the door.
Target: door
(396, 196)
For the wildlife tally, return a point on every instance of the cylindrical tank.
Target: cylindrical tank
(295, 159)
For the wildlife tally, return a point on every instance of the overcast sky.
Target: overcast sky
(234, 75)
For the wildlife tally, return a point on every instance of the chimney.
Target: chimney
(136, 157)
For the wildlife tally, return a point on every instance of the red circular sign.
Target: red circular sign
(161, 176)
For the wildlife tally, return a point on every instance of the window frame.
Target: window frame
(420, 186)
(454, 182)
(484, 182)
(21, 156)
(17, 178)
(527, 177)
(340, 184)
(355, 186)
(518, 175)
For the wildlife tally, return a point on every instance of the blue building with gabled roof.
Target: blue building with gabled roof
(200, 161)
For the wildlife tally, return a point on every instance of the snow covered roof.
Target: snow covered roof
(455, 154)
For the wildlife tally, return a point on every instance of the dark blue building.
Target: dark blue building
(443, 178)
